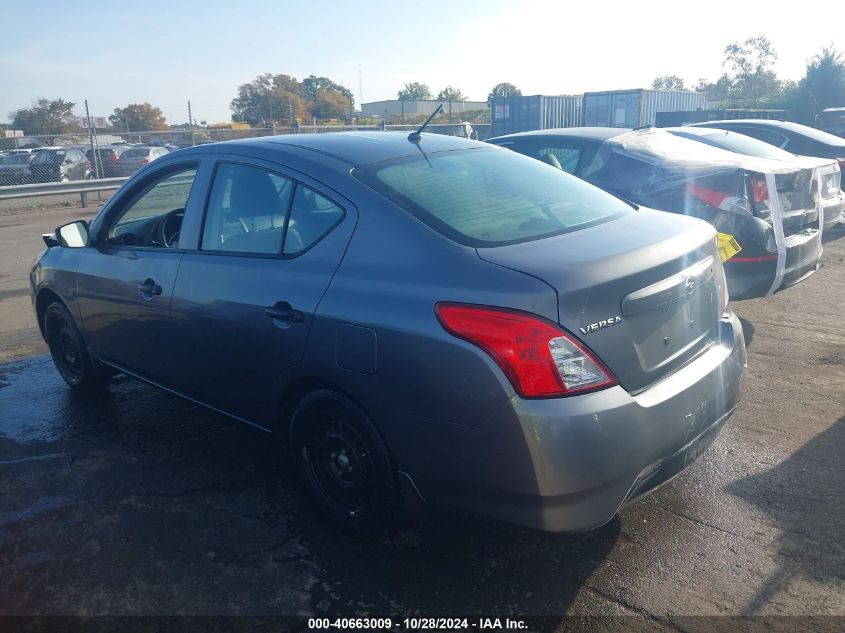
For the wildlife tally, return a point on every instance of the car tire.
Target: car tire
(69, 351)
(346, 466)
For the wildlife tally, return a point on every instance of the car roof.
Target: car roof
(586, 133)
(785, 125)
(353, 148)
(700, 131)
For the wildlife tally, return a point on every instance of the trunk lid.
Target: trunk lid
(644, 292)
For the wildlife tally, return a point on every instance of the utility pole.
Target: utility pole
(93, 140)
(191, 122)
(272, 119)
(360, 87)
(290, 111)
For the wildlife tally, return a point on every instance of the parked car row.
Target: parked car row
(429, 319)
(768, 205)
(59, 164)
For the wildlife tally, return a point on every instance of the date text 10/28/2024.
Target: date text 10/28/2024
(418, 624)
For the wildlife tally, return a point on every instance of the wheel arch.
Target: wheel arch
(293, 393)
(44, 298)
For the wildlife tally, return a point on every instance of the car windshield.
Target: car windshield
(739, 143)
(491, 197)
(43, 158)
(135, 153)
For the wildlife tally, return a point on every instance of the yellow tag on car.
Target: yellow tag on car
(727, 245)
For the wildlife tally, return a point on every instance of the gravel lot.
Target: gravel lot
(137, 502)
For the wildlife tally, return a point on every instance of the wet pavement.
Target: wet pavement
(135, 502)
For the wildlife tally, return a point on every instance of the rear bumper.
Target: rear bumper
(834, 210)
(750, 277)
(568, 464)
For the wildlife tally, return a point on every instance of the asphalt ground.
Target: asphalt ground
(138, 503)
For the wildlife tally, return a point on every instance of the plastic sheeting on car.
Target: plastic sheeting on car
(663, 171)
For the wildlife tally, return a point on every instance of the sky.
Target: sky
(169, 52)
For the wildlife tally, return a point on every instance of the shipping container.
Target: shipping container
(636, 108)
(676, 119)
(536, 112)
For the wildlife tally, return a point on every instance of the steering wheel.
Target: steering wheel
(170, 227)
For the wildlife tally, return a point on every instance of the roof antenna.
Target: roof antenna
(415, 137)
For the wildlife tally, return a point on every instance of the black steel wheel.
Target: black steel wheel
(345, 463)
(69, 352)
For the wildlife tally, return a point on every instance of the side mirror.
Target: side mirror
(68, 161)
(73, 235)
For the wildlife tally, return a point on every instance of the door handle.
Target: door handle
(282, 311)
(149, 288)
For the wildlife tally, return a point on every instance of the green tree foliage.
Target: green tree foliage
(312, 87)
(450, 93)
(824, 80)
(668, 82)
(330, 105)
(275, 97)
(46, 117)
(503, 90)
(138, 117)
(751, 77)
(717, 92)
(414, 92)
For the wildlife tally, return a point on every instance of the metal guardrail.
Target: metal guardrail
(81, 187)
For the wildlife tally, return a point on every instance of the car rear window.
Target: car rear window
(134, 153)
(739, 143)
(42, 158)
(491, 197)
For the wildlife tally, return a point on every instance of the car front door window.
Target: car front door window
(154, 218)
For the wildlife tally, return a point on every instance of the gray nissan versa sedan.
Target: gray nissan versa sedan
(434, 319)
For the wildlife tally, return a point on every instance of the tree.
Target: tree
(716, 92)
(668, 82)
(46, 117)
(138, 117)
(751, 75)
(280, 97)
(330, 105)
(312, 86)
(824, 80)
(503, 90)
(415, 92)
(268, 97)
(451, 94)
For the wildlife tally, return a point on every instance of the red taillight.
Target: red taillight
(145, 161)
(113, 158)
(709, 196)
(539, 359)
(759, 189)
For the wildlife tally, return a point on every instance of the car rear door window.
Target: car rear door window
(246, 210)
(312, 216)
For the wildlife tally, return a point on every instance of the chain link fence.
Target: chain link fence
(108, 153)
